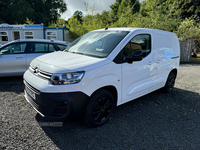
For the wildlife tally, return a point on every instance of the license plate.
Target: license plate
(32, 94)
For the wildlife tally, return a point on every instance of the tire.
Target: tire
(169, 83)
(99, 108)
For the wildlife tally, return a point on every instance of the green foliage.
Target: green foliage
(189, 9)
(39, 11)
(91, 21)
(78, 15)
(27, 21)
(120, 6)
(60, 22)
(188, 29)
(179, 16)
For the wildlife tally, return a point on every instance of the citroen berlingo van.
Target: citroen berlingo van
(100, 70)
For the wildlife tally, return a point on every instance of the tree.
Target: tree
(188, 29)
(120, 6)
(39, 11)
(78, 15)
(28, 21)
(60, 22)
(190, 9)
(105, 17)
(114, 8)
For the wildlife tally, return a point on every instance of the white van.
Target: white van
(100, 70)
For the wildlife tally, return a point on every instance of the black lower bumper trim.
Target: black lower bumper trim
(59, 106)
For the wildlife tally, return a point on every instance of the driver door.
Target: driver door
(137, 76)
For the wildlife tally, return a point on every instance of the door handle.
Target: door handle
(19, 57)
(150, 63)
(158, 61)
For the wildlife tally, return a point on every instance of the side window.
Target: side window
(41, 48)
(51, 48)
(140, 42)
(61, 47)
(15, 48)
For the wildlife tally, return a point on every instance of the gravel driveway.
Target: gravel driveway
(153, 122)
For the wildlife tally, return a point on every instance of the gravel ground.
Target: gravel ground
(156, 121)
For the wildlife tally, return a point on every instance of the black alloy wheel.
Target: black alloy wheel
(100, 108)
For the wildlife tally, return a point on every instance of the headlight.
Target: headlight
(68, 78)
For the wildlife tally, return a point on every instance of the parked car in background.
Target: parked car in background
(16, 56)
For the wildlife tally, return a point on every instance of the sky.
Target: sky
(74, 5)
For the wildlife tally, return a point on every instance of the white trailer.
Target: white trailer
(10, 33)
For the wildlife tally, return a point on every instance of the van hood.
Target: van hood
(60, 62)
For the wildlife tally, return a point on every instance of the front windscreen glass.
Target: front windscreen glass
(97, 43)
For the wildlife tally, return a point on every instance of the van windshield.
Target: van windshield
(97, 43)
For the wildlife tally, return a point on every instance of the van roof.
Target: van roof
(135, 29)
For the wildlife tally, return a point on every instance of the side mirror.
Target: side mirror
(137, 53)
(136, 56)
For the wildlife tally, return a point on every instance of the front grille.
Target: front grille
(42, 74)
(31, 88)
(35, 105)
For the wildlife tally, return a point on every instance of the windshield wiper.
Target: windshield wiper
(77, 53)
(86, 54)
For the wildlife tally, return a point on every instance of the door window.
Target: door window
(41, 48)
(15, 48)
(140, 42)
(61, 47)
(51, 48)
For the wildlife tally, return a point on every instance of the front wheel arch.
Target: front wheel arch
(110, 89)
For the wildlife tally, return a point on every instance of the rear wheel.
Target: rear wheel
(170, 83)
(99, 109)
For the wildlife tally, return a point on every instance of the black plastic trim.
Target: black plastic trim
(59, 106)
(119, 58)
(175, 57)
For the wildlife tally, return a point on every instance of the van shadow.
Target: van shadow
(11, 84)
(154, 121)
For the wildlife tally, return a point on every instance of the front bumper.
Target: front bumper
(57, 106)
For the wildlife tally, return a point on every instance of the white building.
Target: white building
(38, 31)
